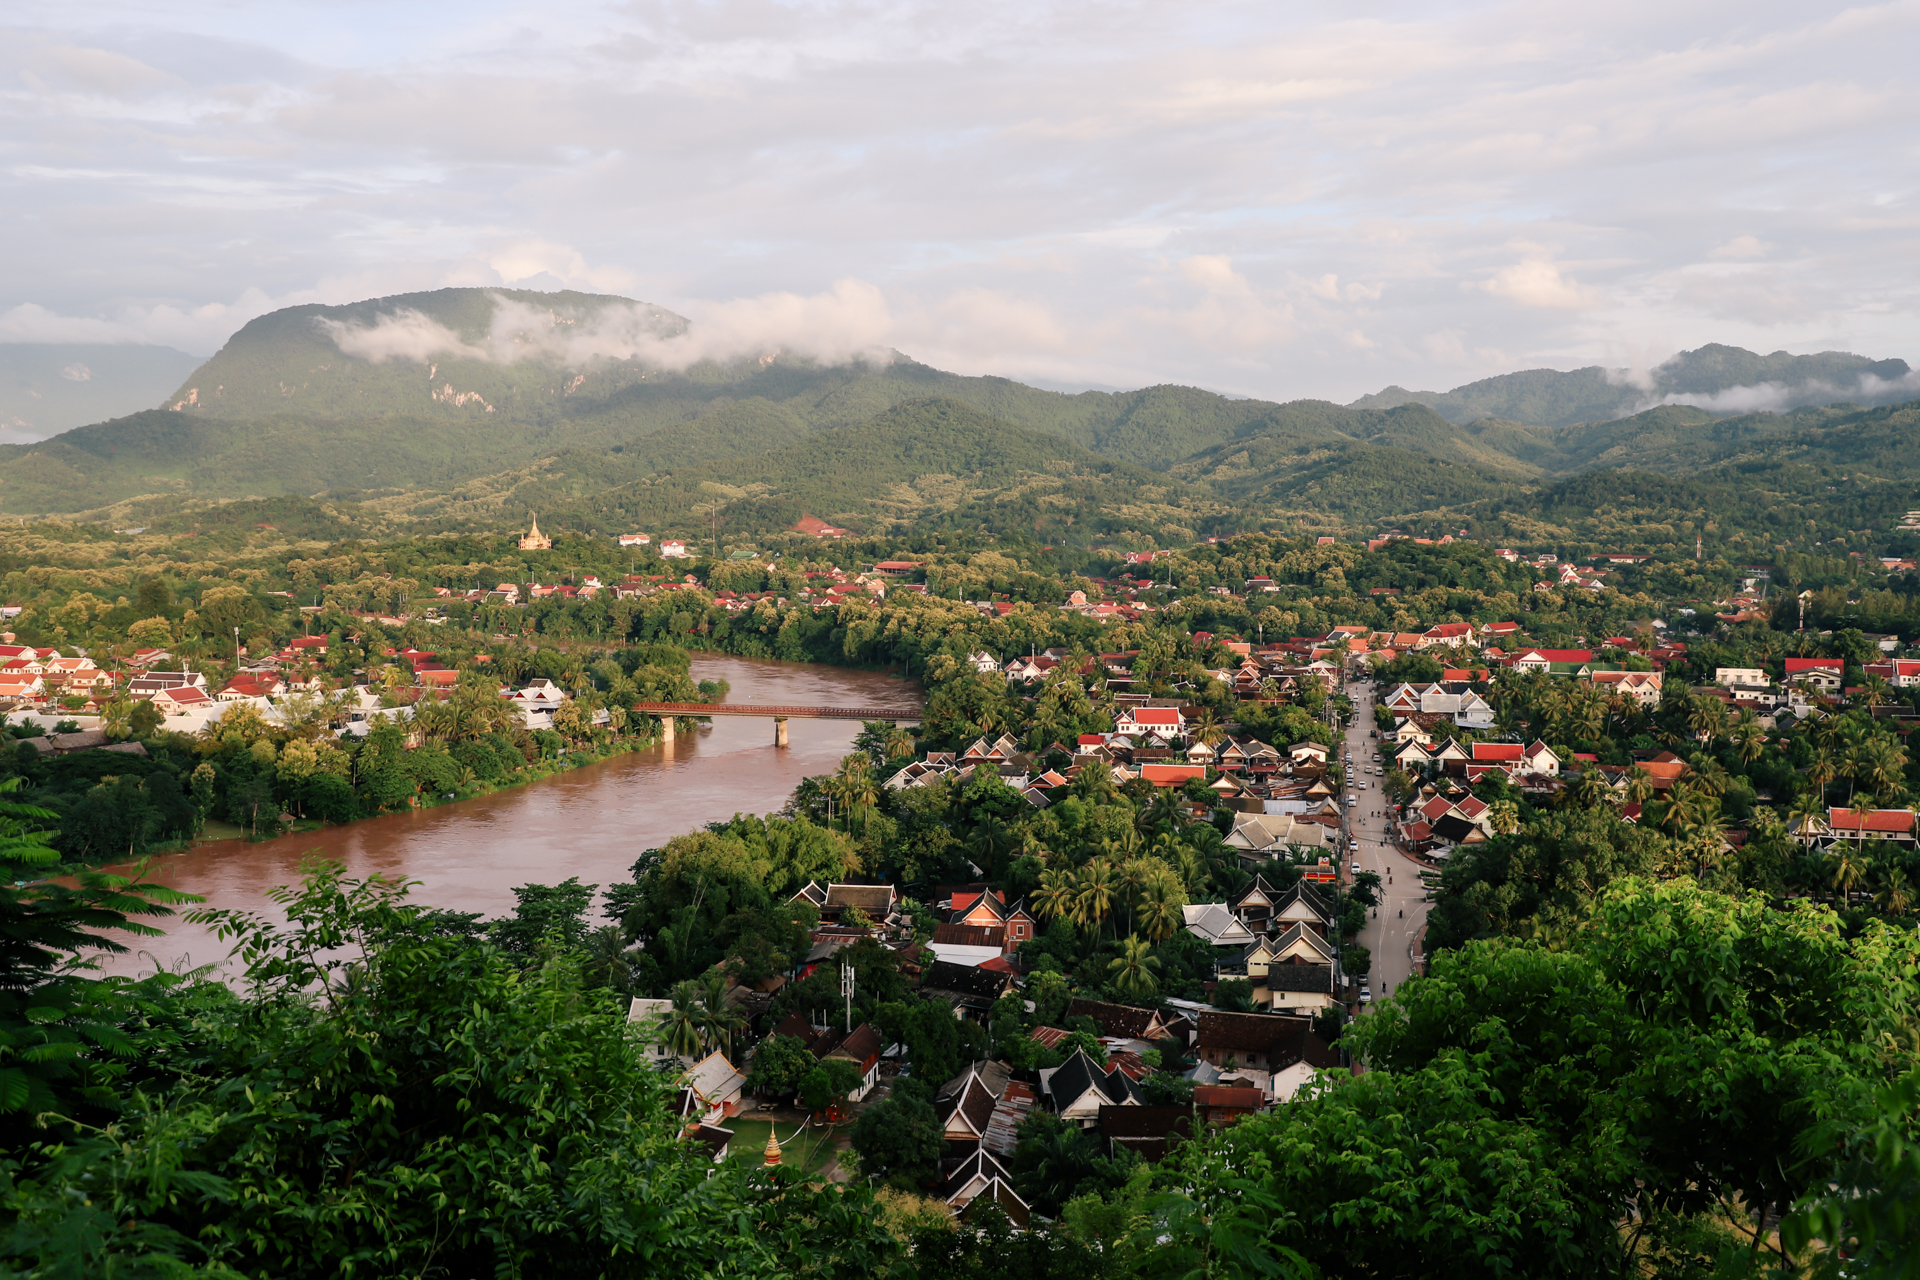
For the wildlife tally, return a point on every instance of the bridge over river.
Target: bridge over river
(776, 713)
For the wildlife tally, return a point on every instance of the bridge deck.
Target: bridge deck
(774, 712)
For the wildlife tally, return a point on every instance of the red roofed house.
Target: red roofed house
(1448, 633)
(1901, 673)
(1172, 775)
(182, 699)
(1896, 825)
(1168, 722)
(1544, 659)
(251, 684)
(1533, 758)
(818, 528)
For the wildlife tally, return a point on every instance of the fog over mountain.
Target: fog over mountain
(1275, 201)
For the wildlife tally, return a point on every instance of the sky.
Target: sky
(1279, 200)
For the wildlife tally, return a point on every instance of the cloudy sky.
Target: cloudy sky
(1280, 200)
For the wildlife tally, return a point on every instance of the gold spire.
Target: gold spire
(535, 540)
(773, 1149)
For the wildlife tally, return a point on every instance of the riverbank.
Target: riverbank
(215, 831)
(592, 820)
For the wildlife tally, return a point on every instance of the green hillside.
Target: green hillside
(925, 463)
(462, 407)
(1551, 398)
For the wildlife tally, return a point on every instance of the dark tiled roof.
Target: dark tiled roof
(975, 1105)
(1080, 1073)
(1229, 1097)
(969, 935)
(968, 981)
(1301, 977)
(861, 1048)
(1251, 1032)
(1122, 1020)
(867, 897)
(1308, 1048)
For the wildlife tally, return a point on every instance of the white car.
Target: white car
(1366, 996)
(1356, 868)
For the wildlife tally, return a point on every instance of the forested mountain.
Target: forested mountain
(465, 406)
(1550, 398)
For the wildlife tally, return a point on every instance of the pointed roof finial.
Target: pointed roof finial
(773, 1149)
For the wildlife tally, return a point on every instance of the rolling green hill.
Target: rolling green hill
(467, 406)
(1550, 398)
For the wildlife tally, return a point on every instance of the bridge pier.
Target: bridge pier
(666, 731)
(779, 731)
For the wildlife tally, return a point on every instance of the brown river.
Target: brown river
(592, 822)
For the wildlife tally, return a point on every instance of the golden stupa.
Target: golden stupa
(535, 540)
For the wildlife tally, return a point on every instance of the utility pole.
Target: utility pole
(846, 989)
(236, 650)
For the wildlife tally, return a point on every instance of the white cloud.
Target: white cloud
(1283, 200)
(1777, 397)
(1535, 282)
(846, 324)
(1740, 248)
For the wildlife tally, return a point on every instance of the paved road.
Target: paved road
(1390, 934)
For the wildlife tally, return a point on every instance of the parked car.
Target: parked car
(1365, 995)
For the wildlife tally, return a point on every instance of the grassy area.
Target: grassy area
(810, 1152)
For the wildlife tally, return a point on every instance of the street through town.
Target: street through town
(1390, 931)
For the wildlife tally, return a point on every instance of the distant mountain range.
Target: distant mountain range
(51, 387)
(1714, 377)
(464, 406)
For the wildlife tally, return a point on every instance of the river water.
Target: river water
(591, 822)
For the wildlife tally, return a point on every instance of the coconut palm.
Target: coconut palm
(1640, 788)
(1883, 767)
(1206, 726)
(1056, 894)
(1896, 895)
(720, 1022)
(1849, 871)
(1133, 969)
(1098, 886)
(1713, 778)
(1133, 877)
(1748, 737)
(683, 1026)
(1708, 719)
(1161, 900)
(855, 788)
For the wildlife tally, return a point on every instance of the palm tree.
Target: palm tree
(1708, 719)
(1749, 737)
(683, 1025)
(1056, 894)
(898, 743)
(1206, 726)
(720, 1022)
(1133, 970)
(1849, 871)
(1713, 778)
(1160, 915)
(1820, 773)
(1134, 874)
(1640, 788)
(1094, 901)
(1883, 767)
(1896, 895)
